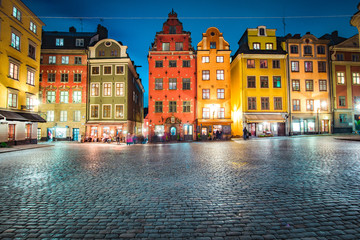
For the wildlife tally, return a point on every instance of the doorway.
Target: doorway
(173, 135)
(325, 126)
(76, 133)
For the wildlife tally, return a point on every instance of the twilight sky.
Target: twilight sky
(135, 22)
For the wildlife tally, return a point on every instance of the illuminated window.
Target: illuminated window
(212, 45)
(343, 118)
(15, 41)
(251, 63)
(172, 83)
(50, 116)
(309, 85)
(206, 113)
(30, 78)
(106, 111)
(166, 46)
(59, 42)
(50, 96)
(16, 13)
(64, 97)
(14, 71)
(12, 100)
(95, 89)
(52, 59)
(308, 66)
(256, 46)
(309, 104)
(119, 89)
(77, 97)
(107, 89)
(296, 85)
(220, 75)
(206, 94)
(63, 116)
(322, 85)
(276, 82)
(119, 111)
(264, 82)
(294, 66)
(269, 46)
(356, 77)
(219, 59)
(206, 75)
(205, 59)
(158, 83)
(221, 113)
(296, 104)
(263, 63)
(186, 106)
(340, 77)
(220, 93)
(65, 60)
(77, 116)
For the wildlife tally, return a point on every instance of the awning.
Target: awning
(22, 117)
(264, 117)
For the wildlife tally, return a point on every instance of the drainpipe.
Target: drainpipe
(289, 88)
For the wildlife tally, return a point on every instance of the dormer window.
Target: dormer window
(166, 46)
(269, 46)
(256, 46)
(261, 31)
(172, 30)
(212, 45)
(79, 42)
(307, 50)
(59, 42)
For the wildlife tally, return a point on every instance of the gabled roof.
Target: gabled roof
(352, 42)
(244, 48)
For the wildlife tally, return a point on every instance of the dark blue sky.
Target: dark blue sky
(142, 19)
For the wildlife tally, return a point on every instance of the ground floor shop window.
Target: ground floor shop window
(204, 131)
(94, 131)
(159, 130)
(11, 132)
(188, 129)
(60, 133)
(28, 131)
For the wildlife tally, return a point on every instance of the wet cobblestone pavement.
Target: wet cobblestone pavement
(290, 188)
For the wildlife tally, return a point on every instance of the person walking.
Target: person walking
(245, 132)
(118, 139)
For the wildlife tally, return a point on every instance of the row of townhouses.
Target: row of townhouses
(73, 85)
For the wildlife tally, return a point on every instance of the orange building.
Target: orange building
(309, 86)
(214, 85)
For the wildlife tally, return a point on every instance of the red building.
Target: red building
(172, 84)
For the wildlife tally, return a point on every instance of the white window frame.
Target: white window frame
(16, 13)
(65, 60)
(33, 27)
(79, 42)
(205, 76)
(64, 97)
(116, 66)
(220, 74)
(30, 99)
(221, 113)
(207, 116)
(15, 40)
(115, 115)
(205, 59)
(59, 42)
(120, 85)
(13, 93)
(219, 59)
(163, 44)
(340, 78)
(356, 78)
(98, 86)
(30, 80)
(76, 96)
(14, 69)
(77, 116)
(53, 97)
(92, 70)
(110, 70)
(98, 105)
(102, 111)
(50, 116)
(63, 116)
(52, 59)
(269, 46)
(103, 88)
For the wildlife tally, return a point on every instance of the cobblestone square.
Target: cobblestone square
(276, 188)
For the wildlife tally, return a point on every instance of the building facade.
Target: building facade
(172, 84)
(259, 84)
(345, 72)
(63, 83)
(309, 85)
(115, 93)
(213, 86)
(20, 41)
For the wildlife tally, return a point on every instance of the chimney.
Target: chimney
(102, 31)
(72, 29)
(335, 34)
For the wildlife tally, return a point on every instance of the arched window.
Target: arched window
(262, 32)
(173, 131)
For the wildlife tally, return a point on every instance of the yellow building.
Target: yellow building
(259, 84)
(214, 86)
(20, 42)
(309, 92)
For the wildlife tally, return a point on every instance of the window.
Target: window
(79, 42)
(14, 71)
(221, 113)
(12, 100)
(15, 41)
(321, 66)
(119, 111)
(51, 77)
(158, 107)
(205, 59)
(309, 85)
(206, 94)
(172, 106)
(308, 66)
(64, 77)
(40, 77)
(212, 45)
(269, 46)
(107, 89)
(50, 116)
(343, 118)
(119, 89)
(296, 85)
(206, 75)
(294, 66)
(186, 63)
(77, 77)
(206, 113)
(356, 77)
(32, 51)
(261, 31)
(309, 105)
(220, 75)
(186, 83)
(251, 103)
(308, 50)
(50, 96)
(106, 111)
(63, 116)
(219, 59)
(264, 82)
(172, 63)
(179, 46)
(30, 78)
(172, 30)
(65, 60)
(265, 103)
(276, 82)
(340, 57)
(172, 84)
(256, 46)
(113, 53)
(322, 85)
(296, 104)
(276, 63)
(77, 97)
(251, 63)
(64, 97)
(28, 131)
(251, 82)
(186, 106)
(294, 49)
(119, 70)
(342, 102)
(221, 93)
(263, 63)
(94, 109)
(95, 89)
(59, 42)
(101, 53)
(16, 13)
(324, 105)
(52, 59)
(355, 58)
(107, 70)
(340, 77)
(158, 83)
(77, 60)
(11, 132)
(277, 103)
(159, 64)
(321, 49)
(165, 46)
(77, 115)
